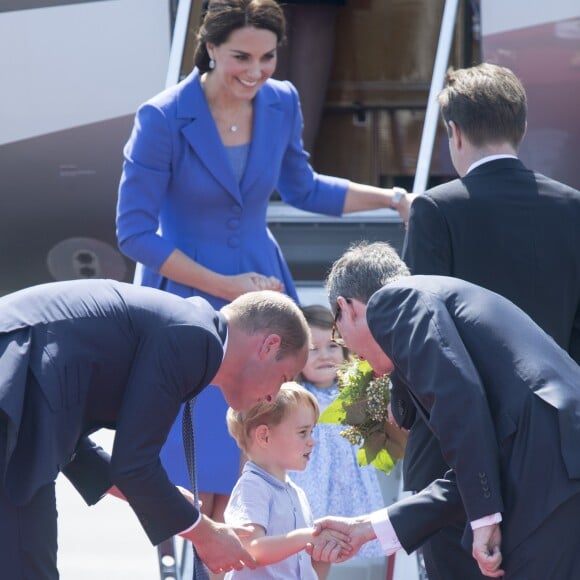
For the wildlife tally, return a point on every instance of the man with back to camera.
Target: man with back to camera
(500, 226)
(81, 355)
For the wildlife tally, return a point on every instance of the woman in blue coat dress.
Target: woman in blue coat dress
(201, 163)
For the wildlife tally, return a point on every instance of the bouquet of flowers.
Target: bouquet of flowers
(362, 405)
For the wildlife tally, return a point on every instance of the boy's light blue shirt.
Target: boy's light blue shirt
(279, 507)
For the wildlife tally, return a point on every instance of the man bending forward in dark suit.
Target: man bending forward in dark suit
(497, 392)
(500, 226)
(81, 355)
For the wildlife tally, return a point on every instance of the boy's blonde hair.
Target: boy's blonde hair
(289, 397)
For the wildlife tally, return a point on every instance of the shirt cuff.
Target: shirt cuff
(486, 521)
(192, 526)
(385, 532)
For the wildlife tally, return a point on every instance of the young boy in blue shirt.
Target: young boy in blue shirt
(277, 437)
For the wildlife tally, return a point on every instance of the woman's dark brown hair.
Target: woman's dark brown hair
(222, 17)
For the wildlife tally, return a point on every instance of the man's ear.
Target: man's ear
(448, 128)
(270, 346)
(455, 134)
(349, 307)
(262, 435)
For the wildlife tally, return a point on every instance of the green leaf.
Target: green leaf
(374, 443)
(334, 413)
(380, 460)
(361, 457)
(365, 367)
(383, 461)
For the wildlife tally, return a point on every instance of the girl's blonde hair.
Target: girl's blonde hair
(290, 396)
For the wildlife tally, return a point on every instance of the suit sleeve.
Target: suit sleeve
(427, 245)
(415, 329)
(170, 367)
(418, 517)
(89, 471)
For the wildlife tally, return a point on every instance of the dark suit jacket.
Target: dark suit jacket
(512, 231)
(498, 393)
(77, 356)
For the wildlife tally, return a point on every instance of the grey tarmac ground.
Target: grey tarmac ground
(102, 542)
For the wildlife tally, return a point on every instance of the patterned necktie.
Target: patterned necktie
(200, 572)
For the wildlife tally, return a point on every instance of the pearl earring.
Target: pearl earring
(211, 63)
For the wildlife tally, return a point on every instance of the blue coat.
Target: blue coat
(178, 189)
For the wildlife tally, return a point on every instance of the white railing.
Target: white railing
(437, 82)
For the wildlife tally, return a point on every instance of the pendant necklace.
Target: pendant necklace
(233, 128)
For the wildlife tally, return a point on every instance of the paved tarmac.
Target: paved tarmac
(104, 541)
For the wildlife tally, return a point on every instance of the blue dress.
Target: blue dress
(179, 190)
(333, 481)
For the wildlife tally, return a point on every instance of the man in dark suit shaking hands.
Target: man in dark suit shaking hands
(500, 226)
(80, 355)
(497, 392)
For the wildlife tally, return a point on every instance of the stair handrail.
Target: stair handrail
(437, 82)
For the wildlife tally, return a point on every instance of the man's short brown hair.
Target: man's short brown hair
(487, 102)
(272, 313)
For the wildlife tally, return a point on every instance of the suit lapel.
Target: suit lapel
(268, 119)
(202, 135)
